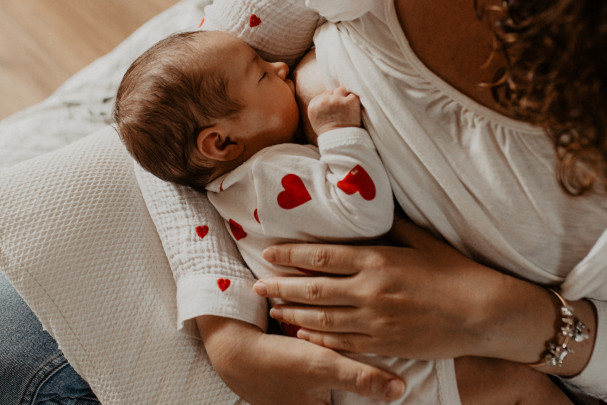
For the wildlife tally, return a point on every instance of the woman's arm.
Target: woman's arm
(386, 290)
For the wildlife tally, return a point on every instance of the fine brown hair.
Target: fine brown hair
(167, 96)
(556, 76)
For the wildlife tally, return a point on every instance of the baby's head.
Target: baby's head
(198, 104)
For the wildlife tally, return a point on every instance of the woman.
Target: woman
(453, 50)
(496, 126)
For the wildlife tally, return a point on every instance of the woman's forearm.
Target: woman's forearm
(457, 306)
(521, 318)
(514, 319)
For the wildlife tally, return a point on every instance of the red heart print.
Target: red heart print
(237, 230)
(256, 216)
(254, 21)
(294, 194)
(202, 231)
(202, 22)
(359, 180)
(223, 283)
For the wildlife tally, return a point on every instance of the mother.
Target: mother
(494, 138)
(462, 163)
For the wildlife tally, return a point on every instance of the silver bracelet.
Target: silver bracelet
(558, 347)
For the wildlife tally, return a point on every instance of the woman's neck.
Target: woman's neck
(449, 39)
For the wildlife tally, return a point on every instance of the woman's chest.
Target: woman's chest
(450, 40)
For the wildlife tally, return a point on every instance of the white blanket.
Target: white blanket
(77, 242)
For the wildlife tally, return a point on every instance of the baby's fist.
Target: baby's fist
(334, 109)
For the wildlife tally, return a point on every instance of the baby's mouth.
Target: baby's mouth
(291, 85)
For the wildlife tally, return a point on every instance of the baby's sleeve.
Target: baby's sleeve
(280, 30)
(339, 193)
(203, 258)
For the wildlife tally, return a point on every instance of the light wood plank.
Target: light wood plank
(44, 42)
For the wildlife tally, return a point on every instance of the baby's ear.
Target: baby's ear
(214, 143)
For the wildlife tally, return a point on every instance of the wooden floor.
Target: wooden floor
(43, 42)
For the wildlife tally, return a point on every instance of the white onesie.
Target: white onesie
(296, 193)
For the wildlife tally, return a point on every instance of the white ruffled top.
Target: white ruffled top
(483, 181)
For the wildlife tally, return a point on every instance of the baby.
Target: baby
(204, 110)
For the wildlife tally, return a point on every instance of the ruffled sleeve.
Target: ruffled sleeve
(279, 30)
(341, 10)
(208, 270)
(592, 379)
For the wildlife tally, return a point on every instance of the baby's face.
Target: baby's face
(270, 115)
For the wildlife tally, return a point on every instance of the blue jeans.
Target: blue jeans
(32, 368)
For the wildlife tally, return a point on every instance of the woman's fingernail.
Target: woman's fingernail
(260, 288)
(395, 389)
(303, 334)
(276, 313)
(269, 254)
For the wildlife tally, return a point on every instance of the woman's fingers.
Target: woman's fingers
(334, 319)
(348, 342)
(334, 259)
(306, 290)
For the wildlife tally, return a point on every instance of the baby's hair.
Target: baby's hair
(167, 96)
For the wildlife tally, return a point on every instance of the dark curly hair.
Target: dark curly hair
(167, 96)
(556, 76)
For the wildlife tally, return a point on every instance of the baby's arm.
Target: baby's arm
(347, 190)
(275, 369)
(334, 109)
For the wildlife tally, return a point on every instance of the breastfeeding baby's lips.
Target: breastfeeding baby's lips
(291, 85)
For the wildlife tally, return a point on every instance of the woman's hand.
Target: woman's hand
(391, 301)
(424, 301)
(273, 369)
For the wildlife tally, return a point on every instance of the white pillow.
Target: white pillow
(75, 233)
(76, 239)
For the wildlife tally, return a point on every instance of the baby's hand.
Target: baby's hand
(334, 109)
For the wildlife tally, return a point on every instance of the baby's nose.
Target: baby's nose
(282, 69)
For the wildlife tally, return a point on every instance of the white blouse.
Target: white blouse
(483, 181)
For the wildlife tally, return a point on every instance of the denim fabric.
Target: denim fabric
(32, 368)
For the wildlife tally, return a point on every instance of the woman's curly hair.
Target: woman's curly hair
(556, 76)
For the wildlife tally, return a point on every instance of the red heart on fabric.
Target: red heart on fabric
(358, 180)
(223, 283)
(254, 21)
(294, 194)
(256, 216)
(237, 230)
(202, 231)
